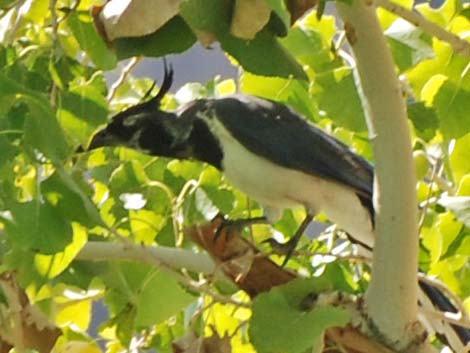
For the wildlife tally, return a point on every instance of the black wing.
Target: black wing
(277, 133)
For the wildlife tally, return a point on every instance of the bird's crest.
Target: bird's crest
(154, 103)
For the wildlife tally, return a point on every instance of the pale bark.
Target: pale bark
(392, 295)
(154, 255)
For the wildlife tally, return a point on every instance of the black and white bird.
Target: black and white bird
(273, 155)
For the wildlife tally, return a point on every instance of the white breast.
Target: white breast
(278, 188)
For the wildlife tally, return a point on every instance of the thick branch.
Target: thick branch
(459, 45)
(392, 296)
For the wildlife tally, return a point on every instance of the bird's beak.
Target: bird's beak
(100, 139)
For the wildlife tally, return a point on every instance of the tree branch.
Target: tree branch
(392, 295)
(126, 71)
(172, 257)
(459, 45)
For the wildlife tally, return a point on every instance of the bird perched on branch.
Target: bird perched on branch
(273, 155)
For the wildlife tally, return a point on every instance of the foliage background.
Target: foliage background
(53, 199)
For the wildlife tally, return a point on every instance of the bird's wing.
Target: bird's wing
(280, 135)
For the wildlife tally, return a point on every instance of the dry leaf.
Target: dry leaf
(136, 18)
(249, 17)
(239, 259)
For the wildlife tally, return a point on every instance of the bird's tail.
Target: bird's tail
(432, 299)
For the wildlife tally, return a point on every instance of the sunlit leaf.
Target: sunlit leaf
(51, 266)
(77, 313)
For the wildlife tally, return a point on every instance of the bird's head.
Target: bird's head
(143, 126)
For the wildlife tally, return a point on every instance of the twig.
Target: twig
(178, 214)
(203, 288)
(173, 257)
(126, 71)
(460, 46)
(70, 11)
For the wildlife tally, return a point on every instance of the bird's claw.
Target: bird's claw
(283, 249)
(238, 223)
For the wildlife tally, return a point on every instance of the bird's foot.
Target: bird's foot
(237, 223)
(288, 248)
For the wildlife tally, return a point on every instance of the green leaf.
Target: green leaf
(6, 3)
(160, 298)
(451, 104)
(338, 86)
(38, 11)
(145, 225)
(207, 15)
(292, 92)
(72, 202)
(128, 177)
(153, 295)
(443, 232)
(173, 38)
(464, 246)
(42, 130)
(125, 323)
(278, 317)
(210, 182)
(83, 108)
(51, 266)
(81, 25)
(38, 226)
(424, 119)
(252, 55)
(409, 44)
(308, 45)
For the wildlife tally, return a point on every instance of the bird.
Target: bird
(275, 156)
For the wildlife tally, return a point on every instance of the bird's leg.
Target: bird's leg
(239, 223)
(289, 247)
